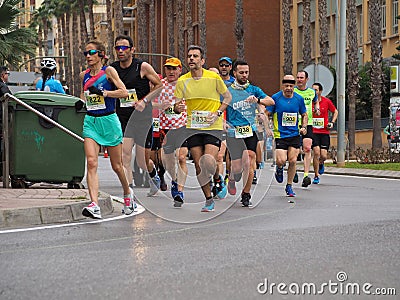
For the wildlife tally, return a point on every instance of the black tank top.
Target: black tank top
(131, 78)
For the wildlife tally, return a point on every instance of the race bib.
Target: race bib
(156, 124)
(318, 123)
(242, 132)
(170, 113)
(199, 119)
(130, 100)
(94, 102)
(289, 119)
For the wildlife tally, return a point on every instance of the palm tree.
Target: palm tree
(376, 70)
(118, 18)
(352, 76)
(189, 25)
(181, 36)
(14, 42)
(306, 33)
(91, 17)
(202, 23)
(110, 34)
(239, 29)
(143, 37)
(152, 13)
(323, 33)
(287, 38)
(170, 28)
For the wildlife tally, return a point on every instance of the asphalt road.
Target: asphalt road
(337, 236)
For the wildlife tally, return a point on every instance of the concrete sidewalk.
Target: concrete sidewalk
(49, 204)
(46, 204)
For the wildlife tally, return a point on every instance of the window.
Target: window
(395, 13)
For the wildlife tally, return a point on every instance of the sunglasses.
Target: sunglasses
(123, 48)
(91, 52)
(224, 65)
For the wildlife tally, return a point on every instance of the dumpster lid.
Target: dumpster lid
(47, 98)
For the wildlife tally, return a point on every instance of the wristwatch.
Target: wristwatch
(258, 100)
(219, 112)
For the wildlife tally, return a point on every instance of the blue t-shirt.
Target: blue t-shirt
(240, 112)
(229, 81)
(286, 114)
(51, 85)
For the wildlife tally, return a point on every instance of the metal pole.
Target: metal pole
(45, 117)
(341, 147)
(6, 147)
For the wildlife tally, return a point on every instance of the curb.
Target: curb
(65, 213)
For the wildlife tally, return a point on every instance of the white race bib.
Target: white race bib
(130, 100)
(242, 132)
(156, 124)
(199, 119)
(289, 119)
(318, 123)
(94, 101)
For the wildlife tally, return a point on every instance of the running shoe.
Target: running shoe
(289, 191)
(129, 204)
(178, 199)
(316, 180)
(296, 177)
(155, 183)
(246, 200)
(321, 169)
(174, 188)
(254, 178)
(92, 211)
(306, 181)
(231, 187)
(209, 206)
(279, 174)
(163, 184)
(219, 189)
(226, 179)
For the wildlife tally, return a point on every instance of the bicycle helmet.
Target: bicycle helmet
(48, 63)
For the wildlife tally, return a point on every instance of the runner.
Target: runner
(321, 127)
(286, 130)
(100, 88)
(310, 97)
(242, 132)
(201, 89)
(175, 144)
(137, 76)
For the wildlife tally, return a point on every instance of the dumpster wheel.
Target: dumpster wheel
(75, 185)
(19, 184)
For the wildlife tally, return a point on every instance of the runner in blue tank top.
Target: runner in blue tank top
(100, 88)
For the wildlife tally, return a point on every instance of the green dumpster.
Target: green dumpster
(39, 151)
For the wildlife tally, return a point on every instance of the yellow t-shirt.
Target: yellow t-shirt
(202, 96)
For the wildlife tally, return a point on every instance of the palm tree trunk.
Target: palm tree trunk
(170, 28)
(323, 33)
(376, 70)
(110, 34)
(287, 38)
(45, 36)
(353, 79)
(68, 52)
(143, 35)
(202, 23)
(75, 58)
(239, 29)
(91, 18)
(152, 14)
(189, 23)
(181, 36)
(306, 33)
(119, 22)
(61, 62)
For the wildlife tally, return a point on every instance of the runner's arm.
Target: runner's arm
(121, 91)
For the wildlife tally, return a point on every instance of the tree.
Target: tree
(181, 36)
(189, 23)
(15, 42)
(202, 23)
(110, 34)
(323, 33)
(352, 76)
(118, 18)
(287, 38)
(306, 33)
(376, 70)
(142, 23)
(239, 29)
(170, 28)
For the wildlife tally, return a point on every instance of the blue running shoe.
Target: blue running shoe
(316, 180)
(178, 199)
(219, 189)
(289, 191)
(321, 169)
(296, 177)
(174, 188)
(155, 184)
(279, 174)
(208, 206)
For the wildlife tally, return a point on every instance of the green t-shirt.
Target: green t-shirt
(309, 96)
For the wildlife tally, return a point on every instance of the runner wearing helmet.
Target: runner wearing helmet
(48, 83)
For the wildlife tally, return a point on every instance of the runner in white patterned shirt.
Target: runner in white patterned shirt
(175, 144)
